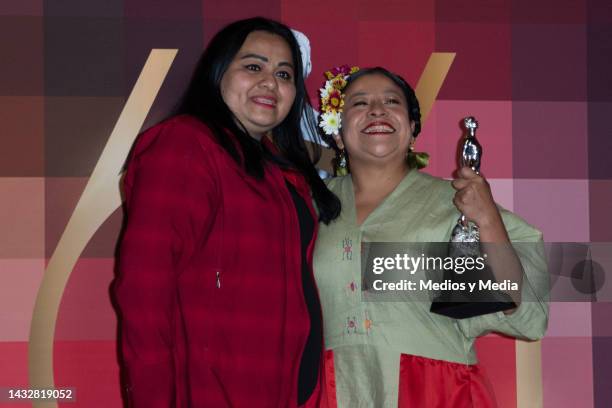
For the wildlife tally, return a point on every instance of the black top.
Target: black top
(311, 357)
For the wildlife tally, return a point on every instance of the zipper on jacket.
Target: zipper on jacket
(218, 280)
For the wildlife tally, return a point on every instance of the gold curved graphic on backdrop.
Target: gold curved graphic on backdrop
(529, 374)
(98, 201)
(431, 80)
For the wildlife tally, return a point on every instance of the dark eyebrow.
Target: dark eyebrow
(357, 94)
(386, 91)
(256, 56)
(392, 91)
(265, 59)
(286, 64)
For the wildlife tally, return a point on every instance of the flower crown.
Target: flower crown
(332, 98)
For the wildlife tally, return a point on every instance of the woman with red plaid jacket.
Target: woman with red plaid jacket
(217, 302)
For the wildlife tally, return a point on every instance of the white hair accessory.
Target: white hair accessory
(304, 44)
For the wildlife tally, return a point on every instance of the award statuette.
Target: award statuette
(471, 153)
(465, 243)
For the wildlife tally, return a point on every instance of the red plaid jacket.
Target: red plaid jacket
(209, 286)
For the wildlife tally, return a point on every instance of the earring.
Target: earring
(340, 164)
(416, 160)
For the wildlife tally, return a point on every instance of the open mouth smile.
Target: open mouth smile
(265, 101)
(378, 128)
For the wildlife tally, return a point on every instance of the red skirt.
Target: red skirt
(428, 383)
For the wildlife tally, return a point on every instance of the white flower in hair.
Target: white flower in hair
(324, 92)
(330, 122)
(332, 98)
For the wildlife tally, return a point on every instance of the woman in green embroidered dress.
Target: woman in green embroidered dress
(389, 354)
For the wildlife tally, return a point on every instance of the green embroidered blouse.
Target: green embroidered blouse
(368, 337)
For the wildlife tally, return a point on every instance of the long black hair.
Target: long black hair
(204, 101)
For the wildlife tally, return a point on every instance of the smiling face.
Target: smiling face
(258, 86)
(375, 123)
